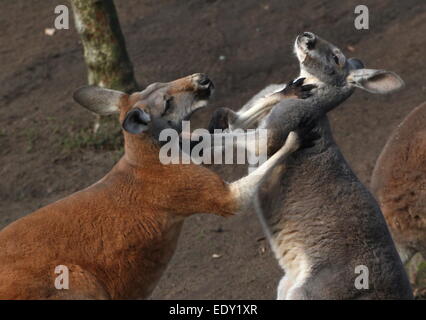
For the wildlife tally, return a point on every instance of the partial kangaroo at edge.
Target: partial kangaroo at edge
(399, 183)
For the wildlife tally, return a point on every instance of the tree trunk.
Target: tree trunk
(105, 51)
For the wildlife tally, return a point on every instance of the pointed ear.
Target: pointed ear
(375, 81)
(99, 100)
(136, 121)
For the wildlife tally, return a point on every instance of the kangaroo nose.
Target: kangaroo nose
(203, 80)
(204, 86)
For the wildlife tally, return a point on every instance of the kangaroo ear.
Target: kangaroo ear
(375, 81)
(136, 121)
(99, 100)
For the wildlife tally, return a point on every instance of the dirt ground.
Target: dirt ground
(45, 148)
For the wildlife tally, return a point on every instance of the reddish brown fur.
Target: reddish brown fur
(117, 236)
(399, 182)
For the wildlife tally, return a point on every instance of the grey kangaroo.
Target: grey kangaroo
(325, 228)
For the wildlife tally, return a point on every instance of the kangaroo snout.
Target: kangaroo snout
(196, 83)
(202, 81)
(203, 85)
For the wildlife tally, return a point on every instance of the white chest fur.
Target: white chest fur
(296, 265)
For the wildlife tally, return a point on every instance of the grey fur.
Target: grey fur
(322, 221)
(272, 88)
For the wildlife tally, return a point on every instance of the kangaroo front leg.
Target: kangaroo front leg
(245, 188)
(224, 118)
(260, 107)
(220, 148)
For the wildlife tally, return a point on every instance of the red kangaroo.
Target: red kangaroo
(399, 182)
(117, 236)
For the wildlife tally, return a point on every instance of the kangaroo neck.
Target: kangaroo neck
(325, 141)
(329, 97)
(141, 150)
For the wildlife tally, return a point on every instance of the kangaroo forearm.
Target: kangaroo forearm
(245, 188)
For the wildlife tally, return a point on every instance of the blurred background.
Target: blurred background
(48, 149)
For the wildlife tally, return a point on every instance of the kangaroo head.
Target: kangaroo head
(162, 105)
(324, 64)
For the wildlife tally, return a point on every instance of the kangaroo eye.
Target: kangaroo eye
(336, 59)
(168, 105)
